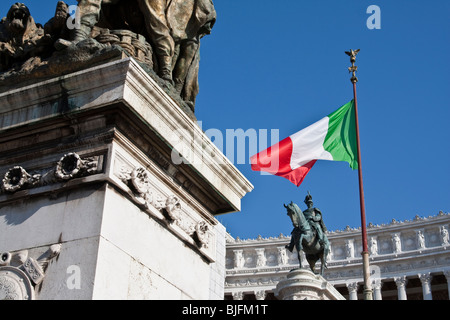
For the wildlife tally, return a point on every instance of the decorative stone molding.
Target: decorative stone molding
(173, 210)
(17, 178)
(139, 182)
(201, 234)
(70, 166)
(17, 281)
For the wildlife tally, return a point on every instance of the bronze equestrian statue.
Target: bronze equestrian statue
(308, 234)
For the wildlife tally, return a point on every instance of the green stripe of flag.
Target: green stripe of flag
(341, 137)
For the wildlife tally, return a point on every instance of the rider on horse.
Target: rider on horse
(314, 217)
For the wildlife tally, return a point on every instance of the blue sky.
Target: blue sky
(281, 65)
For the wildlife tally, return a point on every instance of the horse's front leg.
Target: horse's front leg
(299, 250)
(299, 255)
(323, 264)
(300, 242)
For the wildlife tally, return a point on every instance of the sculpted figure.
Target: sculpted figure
(189, 20)
(56, 27)
(19, 36)
(155, 25)
(444, 235)
(173, 27)
(314, 217)
(165, 36)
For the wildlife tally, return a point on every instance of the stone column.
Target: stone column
(401, 287)
(376, 285)
(352, 290)
(447, 276)
(425, 278)
(238, 295)
(260, 295)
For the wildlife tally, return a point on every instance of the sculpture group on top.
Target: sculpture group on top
(164, 36)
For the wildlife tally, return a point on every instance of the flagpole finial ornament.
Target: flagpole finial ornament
(352, 54)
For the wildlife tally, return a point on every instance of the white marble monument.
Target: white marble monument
(302, 284)
(106, 166)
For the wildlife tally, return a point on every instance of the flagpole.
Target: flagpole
(368, 293)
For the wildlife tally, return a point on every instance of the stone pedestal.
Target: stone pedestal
(106, 164)
(302, 284)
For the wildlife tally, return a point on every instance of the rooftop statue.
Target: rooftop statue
(164, 36)
(308, 234)
(19, 37)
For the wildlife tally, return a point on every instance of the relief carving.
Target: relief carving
(19, 273)
(139, 182)
(18, 178)
(173, 208)
(70, 166)
(201, 234)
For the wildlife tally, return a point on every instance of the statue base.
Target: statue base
(103, 164)
(302, 284)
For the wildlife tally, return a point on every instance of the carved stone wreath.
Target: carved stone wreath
(72, 165)
(68, 166)
(173, 208)
(140, 180)
(18, 178)
(201, 234)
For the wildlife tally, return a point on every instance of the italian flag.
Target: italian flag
(331, 138)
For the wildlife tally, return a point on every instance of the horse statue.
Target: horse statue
(305, 237)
